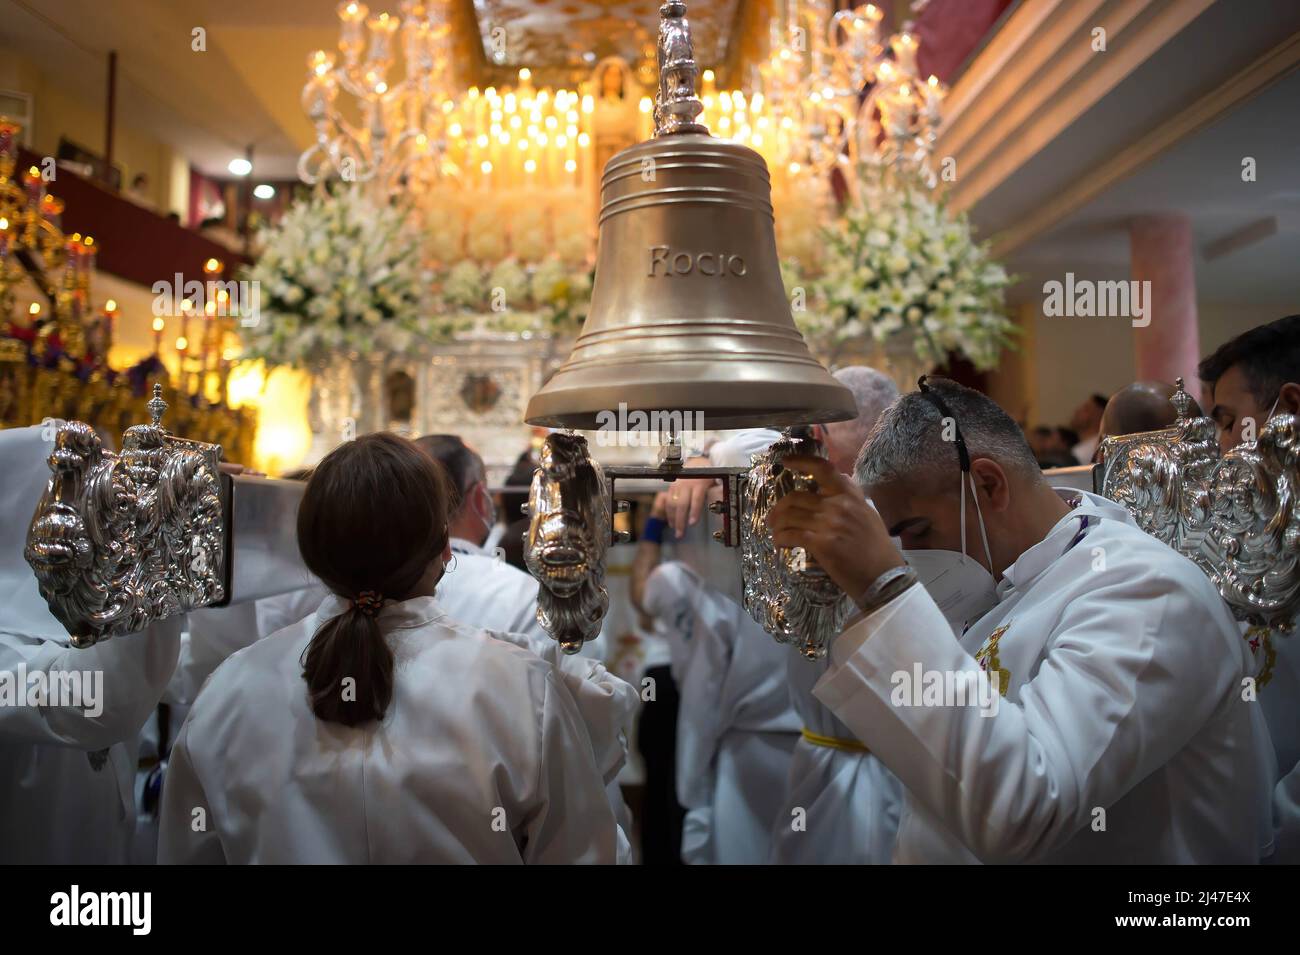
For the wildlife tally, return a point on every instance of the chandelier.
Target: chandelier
(411, 134)
(400, 133)
(843, 94)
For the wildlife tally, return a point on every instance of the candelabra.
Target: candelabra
(841, 94)
(402, 135)
(32, 245)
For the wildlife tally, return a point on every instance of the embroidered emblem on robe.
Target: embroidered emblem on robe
(1257, 637)
(987, 658)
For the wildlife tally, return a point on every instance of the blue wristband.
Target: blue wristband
(654, 530)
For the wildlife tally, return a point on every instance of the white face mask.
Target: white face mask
(489, 523)
(963, 588)
(497, 532)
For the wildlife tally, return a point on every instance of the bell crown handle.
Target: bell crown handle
(676, 103)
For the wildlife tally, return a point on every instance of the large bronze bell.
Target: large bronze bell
(688, 311)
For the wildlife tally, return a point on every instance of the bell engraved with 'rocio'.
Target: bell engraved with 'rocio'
(688, 310)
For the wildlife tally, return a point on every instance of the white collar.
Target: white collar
(393, 615)
(1089, 509)
(461, 546)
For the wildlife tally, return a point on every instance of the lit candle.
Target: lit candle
(8, 131)
(934, 96)
(110, 325)
(352, 15)
(382, 29)
(905, 46)
(35, 186)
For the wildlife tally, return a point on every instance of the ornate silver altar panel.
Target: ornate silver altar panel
(785, 592)
(1235, 515)
(476, 387)
(118, 541)
(567, 541)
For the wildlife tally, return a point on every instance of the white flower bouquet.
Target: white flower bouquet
(899, 264)
(339, 272)
(549, 296)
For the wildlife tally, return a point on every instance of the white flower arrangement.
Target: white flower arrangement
(342, 273)
(549, 296)
(338, 273)
(898, 263)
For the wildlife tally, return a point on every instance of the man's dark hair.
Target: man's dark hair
(1269, 357)
(1099, 400)
(462, 464)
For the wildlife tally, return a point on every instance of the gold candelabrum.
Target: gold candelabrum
(54, 362)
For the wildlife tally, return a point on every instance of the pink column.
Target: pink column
(1161, 252)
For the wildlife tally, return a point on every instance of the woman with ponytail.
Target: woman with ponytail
(378, 730)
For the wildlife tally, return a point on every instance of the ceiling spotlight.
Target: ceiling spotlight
(265, 191)
(240, 167)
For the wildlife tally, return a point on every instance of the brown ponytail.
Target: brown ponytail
(372, 519)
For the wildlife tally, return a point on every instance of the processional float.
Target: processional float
(688, 315)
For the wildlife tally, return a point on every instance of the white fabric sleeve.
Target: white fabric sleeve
(697, 837)
(131, 672)
(1091, 725)
(734, 451)
(574, 822)
(1286, 819)
(700, 715)
(187, 830)
(606, 703)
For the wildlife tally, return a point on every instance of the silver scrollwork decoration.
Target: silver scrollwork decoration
(121, 540)
(785, 591)
(568, 539)
(1235, 515)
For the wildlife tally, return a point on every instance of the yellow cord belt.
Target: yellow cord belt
(834, 742)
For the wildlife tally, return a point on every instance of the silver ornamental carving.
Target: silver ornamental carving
(121, 540)
(676, 105)
(568, 539)
(785, 591)
(1236, 515)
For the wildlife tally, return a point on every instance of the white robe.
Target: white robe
(489, 593)
(736, 727)
(483, 591)
(479, 591)
(66, 794)
(842, 805)
(481, 757)
(1123, 709)
(1279, 700)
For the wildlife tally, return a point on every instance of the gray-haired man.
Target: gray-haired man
(1121, 736)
